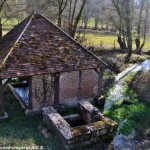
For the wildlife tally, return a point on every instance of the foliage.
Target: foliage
(81, 38)
(108, 80)
(14, 80)
(135, 58)
(130, 95)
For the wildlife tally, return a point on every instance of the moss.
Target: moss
(99, 124)
(2, 66)
(127, 113)
(129, 94)
(76, 132)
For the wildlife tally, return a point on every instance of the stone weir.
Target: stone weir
(95, 126)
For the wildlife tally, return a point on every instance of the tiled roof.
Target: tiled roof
(36, 46)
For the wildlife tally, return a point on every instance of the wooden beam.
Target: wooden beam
(79, 85)
(100, 80)
(56, 89)
(1, 100)
(30, 92)
(7, 81)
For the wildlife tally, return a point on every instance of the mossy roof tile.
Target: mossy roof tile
(36, 46)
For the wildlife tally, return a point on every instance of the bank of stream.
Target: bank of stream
(115, 99)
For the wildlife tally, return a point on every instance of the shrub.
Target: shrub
(108, 80)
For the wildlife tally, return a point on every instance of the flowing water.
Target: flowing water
(116, 95)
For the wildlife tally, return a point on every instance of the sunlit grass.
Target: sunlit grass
(101, 40)
(109, 40)
(9, 23)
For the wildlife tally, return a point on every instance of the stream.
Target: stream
(116, 93)
(116, 96)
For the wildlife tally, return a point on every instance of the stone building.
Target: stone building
(56, 67)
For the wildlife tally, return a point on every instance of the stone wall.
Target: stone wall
(100, 129)
(43, 92)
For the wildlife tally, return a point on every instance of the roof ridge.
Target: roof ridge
(73, 39)
(11, 49)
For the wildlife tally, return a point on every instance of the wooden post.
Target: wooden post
(79, 85)
(56, 89)
(100, 78)
(30, 92)
(1, 100)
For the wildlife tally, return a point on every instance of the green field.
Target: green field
(108, 40)
(102, 40)
(9, 23)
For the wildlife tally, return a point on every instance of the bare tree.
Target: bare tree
(145, 22)
(1, 7)
(124, 9)
(87, 13)
(61, 4)
(73, 19)
(9, 10)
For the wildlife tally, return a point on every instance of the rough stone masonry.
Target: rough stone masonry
(97, 128)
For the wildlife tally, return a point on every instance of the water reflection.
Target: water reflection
(23, 93)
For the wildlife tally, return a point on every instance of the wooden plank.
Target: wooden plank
(1, 100)
(79, 85)
(30, 92)
(56, 89)
(4, 85)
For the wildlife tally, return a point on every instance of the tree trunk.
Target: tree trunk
(1, 100)
(127, 59)
(59, 21)
(85, 23)
(137, 43)
(140, 18)
(139, 51)
(1, 31)
(77, 19)
(96, 23)
(121, 43)
(128, 30)
(107, 26)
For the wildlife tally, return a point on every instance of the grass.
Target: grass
(10, 23)
(101, 40)
(21, 131)
(127, 113)
(132, 111)
(108, 40)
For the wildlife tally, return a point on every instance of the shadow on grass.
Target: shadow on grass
(22, 131)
